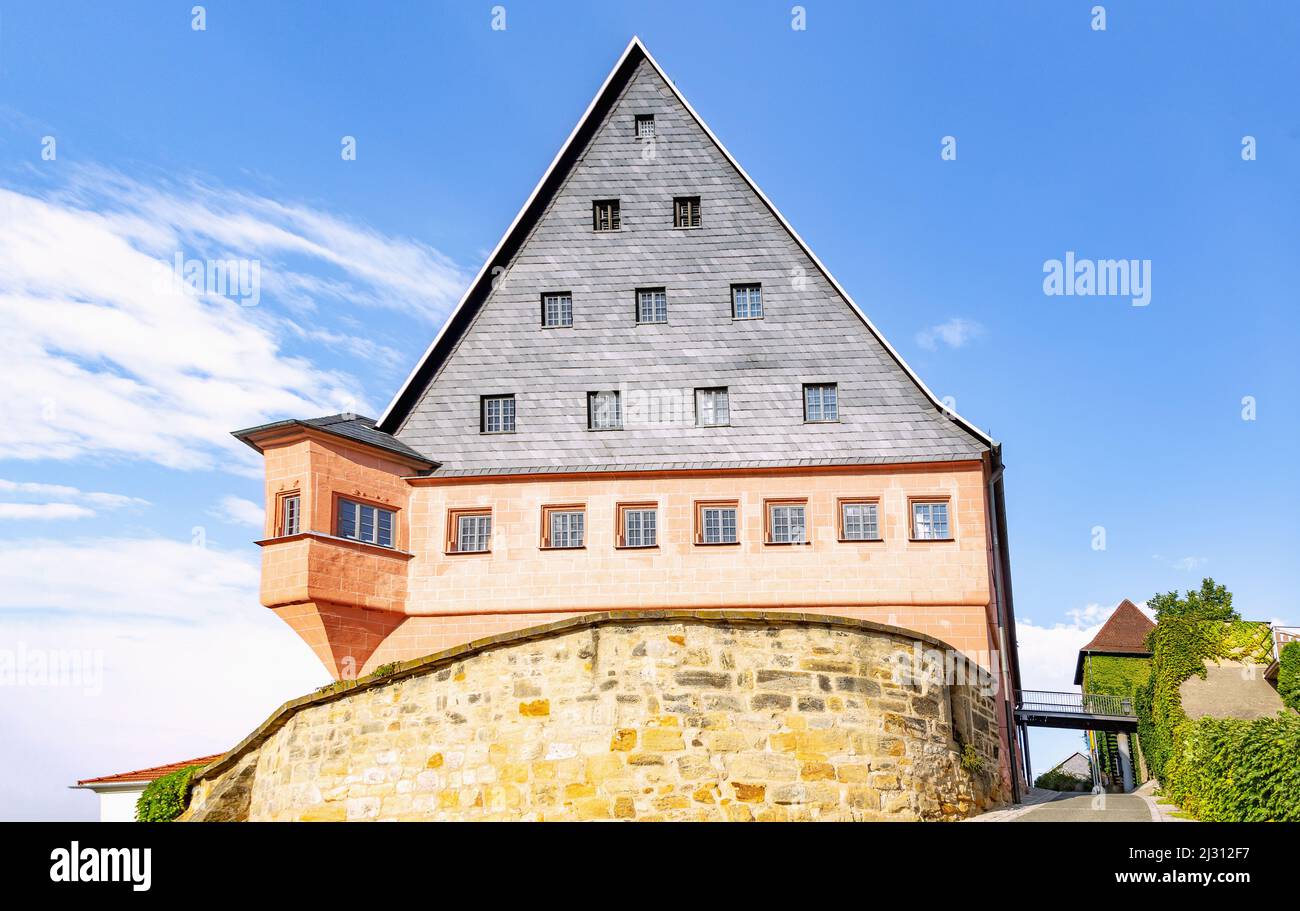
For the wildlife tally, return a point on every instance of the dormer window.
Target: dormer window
(604, 215)
(686, 212)
(645, 126)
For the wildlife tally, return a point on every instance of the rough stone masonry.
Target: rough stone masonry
(669, 716)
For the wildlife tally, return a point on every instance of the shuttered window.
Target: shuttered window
(605, 216)
(686, 212)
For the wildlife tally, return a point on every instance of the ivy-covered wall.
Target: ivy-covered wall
(1288, 676)
(1115, 675)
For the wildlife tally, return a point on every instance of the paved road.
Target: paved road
(1087, 808)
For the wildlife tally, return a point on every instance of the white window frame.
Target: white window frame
(752, 308)
(566, 527)
(707, 412)
(653, 301)
(560, 305)
(867, 507)
(816, 413)
(505, 413)
(473, 527)
(646, 531)
(643, 120)
(929, 527)
(595, 410)
(357, 515)
(787, 523)
(713, 521)
(290, 514)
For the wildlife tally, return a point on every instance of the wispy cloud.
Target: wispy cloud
(100, 356)
(60, 501)
(238, 511)
(1048, 653)
(954, 333)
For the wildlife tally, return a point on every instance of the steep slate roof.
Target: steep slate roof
(811, 330)
(145, 775)
(1123, 633)
(354, 427)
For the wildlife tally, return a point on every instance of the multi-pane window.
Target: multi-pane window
(716, 523)
(712, 408)
(686, 212)
(290, 514)
(747, 301)
(645, 126)
(604, 215)
(497, 414)
(362, 522)
(785, 523)
(563, 526)
(469, 531)
(557, 310)
(638, 526)
(651, 305)
(930, 520)
(821, 402)
(604, 412)
(859, 520)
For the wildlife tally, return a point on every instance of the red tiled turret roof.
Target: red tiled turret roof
(1125, 631)
(150, 774)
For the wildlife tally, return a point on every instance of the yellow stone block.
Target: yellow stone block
(817, 771)
(749, 793)
(624, 808)
(538, 708)
(624, 739)
(662, 740)
(335, 813)
(434, 761)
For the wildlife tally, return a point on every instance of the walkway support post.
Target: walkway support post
(1125, 761)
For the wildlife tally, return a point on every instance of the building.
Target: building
(653, 397)
(118, 793)
(1114, 664)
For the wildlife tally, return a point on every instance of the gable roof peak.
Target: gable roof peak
(404, 402)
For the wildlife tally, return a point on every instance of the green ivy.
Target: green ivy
(1234, 770)
(164, 799)
(1213, 768)
(1288, 675)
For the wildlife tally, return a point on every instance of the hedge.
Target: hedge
(164, 799)
(1233, 770)
(1056, 780)
(1288, 676)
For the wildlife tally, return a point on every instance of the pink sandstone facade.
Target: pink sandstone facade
(499, 420)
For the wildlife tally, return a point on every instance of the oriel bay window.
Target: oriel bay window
(365, 523)
(469, 531)
(716, 522)
(859, 520)
(564, 526)
(786, 521)
(604, 411)
(638, 525)
(930, 520)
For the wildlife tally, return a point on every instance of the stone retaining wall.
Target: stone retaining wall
(675, 716)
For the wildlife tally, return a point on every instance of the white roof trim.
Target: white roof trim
(636, 44)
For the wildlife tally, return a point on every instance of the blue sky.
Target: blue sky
(1124, 143)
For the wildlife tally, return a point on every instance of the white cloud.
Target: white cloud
(238, 511)
(954, 333)
(75, 503)
(1048, 654)
(44, 511)
(191, 662)
(100, 356)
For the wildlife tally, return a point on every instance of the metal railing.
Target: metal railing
(1074, 703)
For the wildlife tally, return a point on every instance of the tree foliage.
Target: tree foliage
(164, 799)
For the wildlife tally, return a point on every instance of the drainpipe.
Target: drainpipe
(996, 511)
